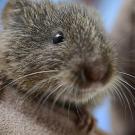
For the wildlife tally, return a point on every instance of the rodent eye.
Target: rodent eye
(58, 37)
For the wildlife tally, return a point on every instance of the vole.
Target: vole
(58, 56)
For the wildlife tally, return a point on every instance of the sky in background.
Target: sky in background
(2, 3)
(108, 10)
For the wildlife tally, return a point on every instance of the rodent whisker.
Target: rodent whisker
(78, 110)
(36, 87)
(39, 102)
(46, 97)
(125, 95)
(131, 94)
(127, 89)
(70, 90)
(126, 83)
(124, 73)
(76, 106)
(117, 91)
(125, 60)
(34, 90)
(124, 102)
(128, 103)
(119, 95)
(28, 75)
(62, 91)
(69, 104)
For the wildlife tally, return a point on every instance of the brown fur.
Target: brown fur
(39, 68)
(30, 48)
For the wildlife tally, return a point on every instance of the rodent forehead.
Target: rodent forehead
(81, 29)
(79, 19)
(80, 25)
(75, 21)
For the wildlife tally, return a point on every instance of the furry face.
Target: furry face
(58, 51)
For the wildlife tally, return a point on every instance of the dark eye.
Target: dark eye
(58, 37)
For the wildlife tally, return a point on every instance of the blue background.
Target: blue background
(108, 10)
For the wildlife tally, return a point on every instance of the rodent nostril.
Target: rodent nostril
(97, 75)
(85, 75)
(82, 75)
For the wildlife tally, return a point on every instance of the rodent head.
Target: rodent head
(67, 42)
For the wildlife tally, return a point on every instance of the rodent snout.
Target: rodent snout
(92, 74)
(89, 73)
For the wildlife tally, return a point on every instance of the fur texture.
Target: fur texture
(74, 72)
(28, 39)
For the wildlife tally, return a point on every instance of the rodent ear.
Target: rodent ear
(13, 7)
(19, 10)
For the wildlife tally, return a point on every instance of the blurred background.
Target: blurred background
(108, 10)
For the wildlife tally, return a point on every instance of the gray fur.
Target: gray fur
(28, 39)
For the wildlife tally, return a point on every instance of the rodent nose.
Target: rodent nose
(93, 73)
